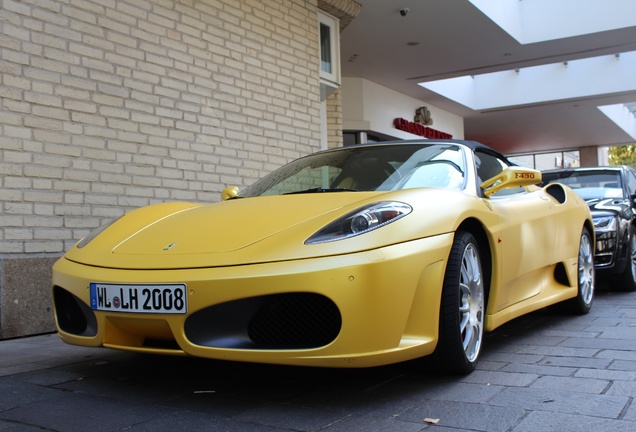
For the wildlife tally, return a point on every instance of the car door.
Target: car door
(526, 236)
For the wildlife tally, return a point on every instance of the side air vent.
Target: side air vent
(556, 191)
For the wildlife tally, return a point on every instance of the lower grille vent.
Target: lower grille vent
(298, 320)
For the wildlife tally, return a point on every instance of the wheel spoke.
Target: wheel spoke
(463, 324)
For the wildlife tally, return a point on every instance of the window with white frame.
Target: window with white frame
(329, 53)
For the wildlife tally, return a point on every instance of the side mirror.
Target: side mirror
(511, 177)
(230, 192)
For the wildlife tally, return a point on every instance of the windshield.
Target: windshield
(589, 184)
(369, 168)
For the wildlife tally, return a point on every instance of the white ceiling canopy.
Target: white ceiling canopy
(556, 81)
(533, 71)
(623, 116)
(533, 21)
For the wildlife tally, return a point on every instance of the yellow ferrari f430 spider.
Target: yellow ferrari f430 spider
(353, 257)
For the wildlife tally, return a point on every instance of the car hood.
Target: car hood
(242, 231)
(607, 205)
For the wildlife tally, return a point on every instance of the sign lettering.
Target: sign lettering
(418, 129)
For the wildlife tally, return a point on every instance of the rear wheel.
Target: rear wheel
(628, 278)
(461, 327)
(582, 303)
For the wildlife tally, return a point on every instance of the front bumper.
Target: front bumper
(357, 310)
(612, 249)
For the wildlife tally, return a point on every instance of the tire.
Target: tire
(462, 308)
(627, 279)
(582, 303)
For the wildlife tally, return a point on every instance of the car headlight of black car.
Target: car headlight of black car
(605, 228)
(605, 223)
(360, 221)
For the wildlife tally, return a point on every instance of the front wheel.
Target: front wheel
(628, 278)
(462, 307)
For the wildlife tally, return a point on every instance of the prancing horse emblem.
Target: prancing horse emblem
(170, 246)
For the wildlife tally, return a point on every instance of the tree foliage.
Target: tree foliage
(623, 155)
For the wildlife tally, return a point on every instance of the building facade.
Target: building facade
(108, 105)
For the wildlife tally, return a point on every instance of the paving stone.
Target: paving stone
(610, 375)
(490, 365)
(572, 334)
(558, 351)
(622, 388)
(541, 421)
(14, 427)
(599, 343)
(581, 385)
(188, 422)
(291, 416)
(630, 415)
(540, 339)
(618, 354)
(629, 313)
(622, 319)
(620, 332)
(212, 404)
(476, 417)
(562, 401)
(371, 423)
(539, 369)
(500, 378)
(513, 357)
(462, 392)
(80, 412)
(576, 362)
(623, 365)
(14, 394)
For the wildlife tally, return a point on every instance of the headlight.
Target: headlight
(361, 221)
(604, 224)
(97, 231)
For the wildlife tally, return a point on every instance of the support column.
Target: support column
(588, 156)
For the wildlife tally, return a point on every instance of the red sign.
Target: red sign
(418, 129)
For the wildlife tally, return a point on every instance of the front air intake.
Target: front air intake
(278, 321)
(295, 320)
(72, 314)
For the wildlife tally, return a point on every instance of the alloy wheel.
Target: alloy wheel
(471, 305)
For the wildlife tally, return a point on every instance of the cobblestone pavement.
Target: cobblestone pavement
(543, 372)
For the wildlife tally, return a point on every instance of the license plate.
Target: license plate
(170, 299)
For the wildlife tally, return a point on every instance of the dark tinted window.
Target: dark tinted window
(631, 181)
(589, 184)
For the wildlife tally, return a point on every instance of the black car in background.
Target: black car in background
(610, 192)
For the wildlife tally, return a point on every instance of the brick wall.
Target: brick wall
(334, 119)
(108, 105)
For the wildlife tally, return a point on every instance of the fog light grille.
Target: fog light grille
(297, 320)
(73, 315)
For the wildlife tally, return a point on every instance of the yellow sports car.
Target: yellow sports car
(353, 257)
